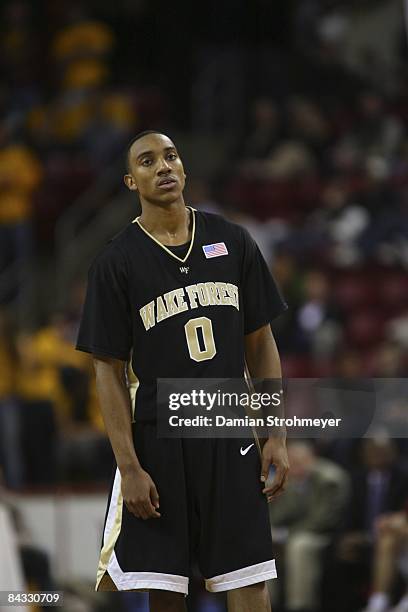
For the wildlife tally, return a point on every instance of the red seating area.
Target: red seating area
(369, 298)
(286, 200)
(375, 288)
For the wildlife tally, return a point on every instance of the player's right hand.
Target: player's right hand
(140, 494)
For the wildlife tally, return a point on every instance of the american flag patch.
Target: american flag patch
(215, 250)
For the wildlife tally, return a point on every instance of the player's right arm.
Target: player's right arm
(138, 489)
(106, 331)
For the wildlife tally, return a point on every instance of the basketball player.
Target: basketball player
(181, 294)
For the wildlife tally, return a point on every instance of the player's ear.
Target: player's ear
(130, 182)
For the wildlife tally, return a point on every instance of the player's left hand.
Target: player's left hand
(274, 453)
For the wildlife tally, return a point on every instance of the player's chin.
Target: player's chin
(168, 197)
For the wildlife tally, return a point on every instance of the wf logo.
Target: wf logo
(184, 269)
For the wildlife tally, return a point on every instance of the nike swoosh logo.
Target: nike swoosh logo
(244, 451)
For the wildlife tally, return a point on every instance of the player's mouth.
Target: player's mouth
(167, 183)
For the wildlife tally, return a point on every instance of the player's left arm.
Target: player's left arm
(262, 357)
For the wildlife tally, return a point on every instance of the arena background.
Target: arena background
(291, 119)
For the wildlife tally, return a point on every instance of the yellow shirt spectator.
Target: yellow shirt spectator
(86, 38)
(20, 175)
(42, 354)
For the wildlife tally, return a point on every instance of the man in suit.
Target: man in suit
(304, 520)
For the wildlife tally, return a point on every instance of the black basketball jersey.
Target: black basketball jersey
(177, 314)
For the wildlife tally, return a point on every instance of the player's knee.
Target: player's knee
(256, 592)
(262, 589)
(166, 601)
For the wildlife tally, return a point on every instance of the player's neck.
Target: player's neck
(170, 224)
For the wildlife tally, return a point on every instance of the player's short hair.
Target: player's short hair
(132, 142)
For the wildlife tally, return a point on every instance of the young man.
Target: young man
(181, 294)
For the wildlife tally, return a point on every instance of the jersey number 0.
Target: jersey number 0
(204, 349)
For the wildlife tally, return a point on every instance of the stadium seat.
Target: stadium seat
(296, 366)
(393, 292)
(365, 328)
(353, 292)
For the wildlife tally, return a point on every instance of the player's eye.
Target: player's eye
(171, 156)
(146, 162)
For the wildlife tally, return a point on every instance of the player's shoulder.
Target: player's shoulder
(215, 221)
(114, 251)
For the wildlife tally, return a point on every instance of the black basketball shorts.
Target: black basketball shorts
(213, 513)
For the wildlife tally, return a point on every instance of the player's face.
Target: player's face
(157, 171)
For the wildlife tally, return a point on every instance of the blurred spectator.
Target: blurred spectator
(60, 405)
(376, 132)
(308, 514)
(337, 224)
(290, 160)
(391, 544)
(20, 61)
(50, 422)
(317, 325)
(83, 38)
(348, 364)
(365, 49)
(199, 195)
(378, 487)
(110, 129)
(398, 331)
(288, 276)
(262, 233)
(35, 566)
(261, 136)
(11, 453)
(20, 176)
(40, 396)
(388, 224)
(390, 361)
(307, 123)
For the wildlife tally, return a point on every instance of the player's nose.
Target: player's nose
(163, 166)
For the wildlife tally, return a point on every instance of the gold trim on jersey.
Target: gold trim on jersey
(111, 538)
(133, 385)
(164, 246)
